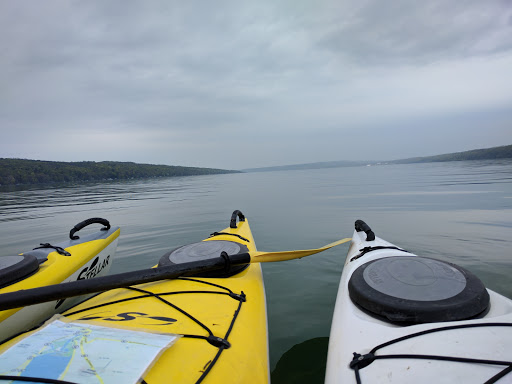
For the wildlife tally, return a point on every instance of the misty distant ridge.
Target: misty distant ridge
(325, 164)
(502, 152)
(23, 171)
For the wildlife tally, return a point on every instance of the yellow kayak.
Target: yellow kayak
(78, 258)
(222, 319)
(230, 308)
(199, 316)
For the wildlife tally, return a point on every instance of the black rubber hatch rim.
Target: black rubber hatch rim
(470, 302)
(219, 246)
(19, 270)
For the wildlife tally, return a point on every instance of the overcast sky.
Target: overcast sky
(239, 84)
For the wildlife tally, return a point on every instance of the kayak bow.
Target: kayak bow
(75, 259)
(402, 318)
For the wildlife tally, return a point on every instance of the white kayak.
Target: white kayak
(403, 318)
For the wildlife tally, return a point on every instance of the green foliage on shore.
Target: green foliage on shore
(504, 152)
(21, 171)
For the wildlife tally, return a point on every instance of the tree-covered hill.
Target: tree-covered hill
(21, 171)
(503, 152)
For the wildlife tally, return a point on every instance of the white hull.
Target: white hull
(354, 330)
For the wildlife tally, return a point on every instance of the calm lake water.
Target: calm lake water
(457, 211)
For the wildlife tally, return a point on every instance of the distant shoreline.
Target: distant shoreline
(502, 152)
(38, 172)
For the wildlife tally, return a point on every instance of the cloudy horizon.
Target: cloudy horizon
(234, 85)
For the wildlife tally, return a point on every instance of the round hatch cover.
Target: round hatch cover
(205, 250)
(16, 268)
(414, 289)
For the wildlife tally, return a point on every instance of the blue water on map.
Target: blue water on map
(52, 364)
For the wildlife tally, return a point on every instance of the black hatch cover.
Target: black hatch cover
(16, 268)
(206, 250)
(414, 289)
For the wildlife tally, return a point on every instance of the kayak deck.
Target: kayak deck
(198, 308)
(389, 352)
(80, 258)
(231, 310)
(222, 321)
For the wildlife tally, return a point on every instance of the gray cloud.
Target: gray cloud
(197, 83)
(403, 32)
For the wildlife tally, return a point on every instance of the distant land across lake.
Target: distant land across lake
(23, 171)
(502, 152)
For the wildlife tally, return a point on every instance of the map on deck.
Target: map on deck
(84, 353)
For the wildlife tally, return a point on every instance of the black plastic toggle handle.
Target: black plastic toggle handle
(218, 342)
(236, 213)
(87, 222)
(361, 361)
(360, 225)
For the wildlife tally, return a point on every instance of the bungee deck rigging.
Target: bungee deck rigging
(359, 361)
(221, 342)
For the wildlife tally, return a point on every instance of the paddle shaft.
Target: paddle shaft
(60, 291)
(44, 294)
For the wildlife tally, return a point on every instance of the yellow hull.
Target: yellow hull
(89, 257)
(228, 312)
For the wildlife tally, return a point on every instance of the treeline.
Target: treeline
(504, 152)
(21, 171)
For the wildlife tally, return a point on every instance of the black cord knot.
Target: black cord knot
(362, 253)
(218, 342)
(60, 250)
(365, 250)
(229, 234)
(240, 297)
(361, 361)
